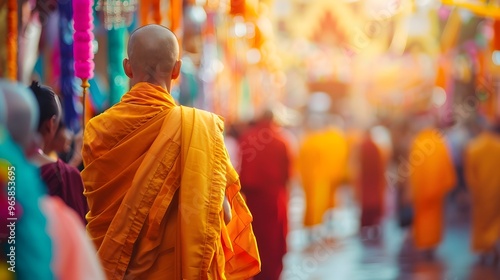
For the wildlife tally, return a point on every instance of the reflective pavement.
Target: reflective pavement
(377, 254)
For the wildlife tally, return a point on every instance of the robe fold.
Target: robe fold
(322, 164)
(65, 182)
(431, 177)
(155, 178)
(482, 160)
(265, 171)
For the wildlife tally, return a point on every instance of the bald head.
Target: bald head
(153, 56)
(21, 114)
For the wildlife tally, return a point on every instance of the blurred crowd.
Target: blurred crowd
(421, 165)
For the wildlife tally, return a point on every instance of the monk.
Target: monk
(370, 182)
(431, 177)
(50, 240)
(322, 163)
(264, 175)
(482, 158)
(164, 199)
(62, 179)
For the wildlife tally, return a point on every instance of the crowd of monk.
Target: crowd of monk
(163, 193)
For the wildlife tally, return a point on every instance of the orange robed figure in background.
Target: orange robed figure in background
(482, 161)
(370, 181)
(163, 196)
(322, 163)
(265, 172)
(431, 177)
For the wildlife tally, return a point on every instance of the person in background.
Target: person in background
(61, 142)
(431, 177)
(371, 185)
(62, 180)
(482, 159)
(50, 239)
(17, 139)
(265, 173)
(322, 162)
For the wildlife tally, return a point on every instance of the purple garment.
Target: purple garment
(64, 181)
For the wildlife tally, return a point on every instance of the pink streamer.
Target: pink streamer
(82, 46)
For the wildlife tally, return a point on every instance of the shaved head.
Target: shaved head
(153, 56)
(21, 114)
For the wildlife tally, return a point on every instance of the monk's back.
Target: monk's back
(115, 143)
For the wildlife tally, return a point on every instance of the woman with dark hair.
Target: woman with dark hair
(62, 179)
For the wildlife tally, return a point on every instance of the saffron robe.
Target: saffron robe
(431, 177)
(322, 163)
(264, 175)
(155, 177)
(65, 182)
(371, 182)
(482, 159)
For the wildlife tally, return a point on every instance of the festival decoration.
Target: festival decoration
(12, 35)
(83, 49)
(176, 16)
(117, 13)
(480, 8)
(148, 7)
(67, 72)
(118, 81)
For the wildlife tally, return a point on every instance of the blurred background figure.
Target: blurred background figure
(61, 143)
(50, 240)
(322, 165)
(62, 179)
(482, 160)
(431, 177)
(371, 186)
(264, 175)
(18, 138)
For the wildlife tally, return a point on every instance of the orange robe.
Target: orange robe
(431, 176)
(482, 159)
(155, 178)
(322, 163)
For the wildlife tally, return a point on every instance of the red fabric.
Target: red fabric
(265, 170)
(372, 183)
(65, 182)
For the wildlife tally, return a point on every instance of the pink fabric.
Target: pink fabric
(74, 255)
(82, 46)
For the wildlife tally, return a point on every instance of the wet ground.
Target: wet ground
(377, 254)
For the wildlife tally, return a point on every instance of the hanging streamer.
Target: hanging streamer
(117, 13)
(82, 48)
(12, 35)
(67, 75)
(176, 16)
(147, 7)
(118, 81)
(237, 7)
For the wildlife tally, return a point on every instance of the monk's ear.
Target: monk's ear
(177, 69)
(127, 68)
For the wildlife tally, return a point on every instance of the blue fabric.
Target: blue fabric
(68, 81)
(33, 246)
